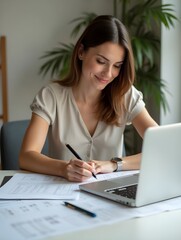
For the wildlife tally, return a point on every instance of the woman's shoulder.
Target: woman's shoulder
(55, 85)
(133, 94)
(134, 102)
(56, 88)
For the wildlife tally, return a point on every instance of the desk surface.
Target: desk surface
(163, 226)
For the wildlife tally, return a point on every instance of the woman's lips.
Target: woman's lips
(104, 81)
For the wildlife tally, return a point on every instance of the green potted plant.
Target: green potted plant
(143, 20)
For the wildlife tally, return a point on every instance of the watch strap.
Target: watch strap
(119, 162)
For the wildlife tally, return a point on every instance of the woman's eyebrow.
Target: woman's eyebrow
(100, 55)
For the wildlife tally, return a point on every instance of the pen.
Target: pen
(72, 206)
(73, 151)
(77, 155)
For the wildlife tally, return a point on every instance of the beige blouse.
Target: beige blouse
(56, 104)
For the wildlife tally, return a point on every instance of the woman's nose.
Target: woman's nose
(108, 72)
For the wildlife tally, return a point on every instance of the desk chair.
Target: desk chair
(11, 137)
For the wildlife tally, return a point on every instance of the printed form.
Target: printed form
(40, 219)
(40, 186)
(37, 186)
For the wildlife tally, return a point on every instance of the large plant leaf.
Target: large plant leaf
(160, 14)
(145, 46)
(149, 12)
(58, 60)
(151, 85)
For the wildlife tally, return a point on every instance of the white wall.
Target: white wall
(171, 67)
(33, 27)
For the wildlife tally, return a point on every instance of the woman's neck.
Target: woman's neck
(86, 95)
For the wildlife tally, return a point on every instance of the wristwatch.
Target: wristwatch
(119, 162)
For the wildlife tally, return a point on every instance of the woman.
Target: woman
(88, 109)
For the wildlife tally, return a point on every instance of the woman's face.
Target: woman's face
(101, 64)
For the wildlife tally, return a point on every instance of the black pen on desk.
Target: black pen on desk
(77, 155)
(73, 206)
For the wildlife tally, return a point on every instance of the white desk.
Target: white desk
(164, 226)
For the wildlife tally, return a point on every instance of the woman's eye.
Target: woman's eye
(100, 61)
(118, 66)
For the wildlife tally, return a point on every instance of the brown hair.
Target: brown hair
(103, 29)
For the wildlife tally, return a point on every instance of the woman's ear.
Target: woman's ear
(81, 51)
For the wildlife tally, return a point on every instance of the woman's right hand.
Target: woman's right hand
(78, 170)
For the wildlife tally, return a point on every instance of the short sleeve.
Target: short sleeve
(134, 103)
(44, 104)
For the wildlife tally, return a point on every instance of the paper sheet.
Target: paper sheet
(39, 219)
(39, 186)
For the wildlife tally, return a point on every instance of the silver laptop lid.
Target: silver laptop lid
(160, 172)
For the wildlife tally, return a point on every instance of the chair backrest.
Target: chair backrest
(12, 134)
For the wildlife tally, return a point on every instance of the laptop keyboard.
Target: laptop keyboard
(128, 191)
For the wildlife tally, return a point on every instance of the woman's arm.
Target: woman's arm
(141, 122)
(30, 154)
(31, 159)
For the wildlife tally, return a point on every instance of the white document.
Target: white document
(105, 176)
(38, 186)
(37, 219)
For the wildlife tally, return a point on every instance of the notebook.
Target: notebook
(159, 177)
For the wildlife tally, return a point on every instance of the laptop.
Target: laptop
(159, 177)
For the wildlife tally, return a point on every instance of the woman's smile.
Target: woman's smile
(102, 80)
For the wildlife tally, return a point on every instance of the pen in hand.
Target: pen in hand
(77, 155)
(73, 206)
